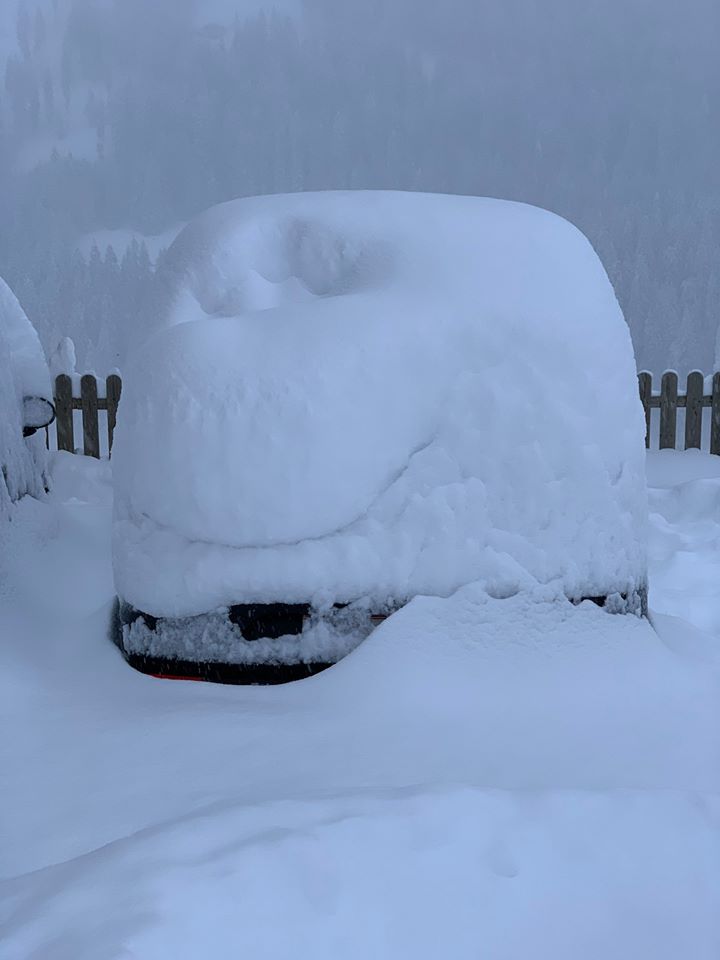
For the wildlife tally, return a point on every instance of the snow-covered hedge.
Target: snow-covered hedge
(378, 395)
(23, 373)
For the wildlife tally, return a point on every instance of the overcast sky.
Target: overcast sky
(7, 28)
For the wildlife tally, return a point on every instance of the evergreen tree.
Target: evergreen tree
(24, 29)
(39, 30)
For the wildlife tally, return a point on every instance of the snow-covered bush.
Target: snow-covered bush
(376, 395)
(23, 373)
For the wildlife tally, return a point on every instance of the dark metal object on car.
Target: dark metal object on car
(37, 412)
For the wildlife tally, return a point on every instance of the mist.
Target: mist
(119, 121)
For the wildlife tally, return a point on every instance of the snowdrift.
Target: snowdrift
(23, 373)
(378, 395)
(508, 778)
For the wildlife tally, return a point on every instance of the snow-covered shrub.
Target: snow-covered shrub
(377, 395)
(23, 373)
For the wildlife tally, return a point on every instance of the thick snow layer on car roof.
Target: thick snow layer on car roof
(378, 394)
(23, 373)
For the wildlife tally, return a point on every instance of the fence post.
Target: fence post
(715, 415)
(91, 432)
(113, 389)
(645, 383)
(64, 413)
(668, 410)
(693, 410)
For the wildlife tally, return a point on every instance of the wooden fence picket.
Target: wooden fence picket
(64, 413)
(113, 389)
(645, 384)
(91, 428)
(668, 410)
(693, 410)
(715, 415)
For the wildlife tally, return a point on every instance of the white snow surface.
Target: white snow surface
(63, 359)
(505, 778)
(378, 395)
(23, 373)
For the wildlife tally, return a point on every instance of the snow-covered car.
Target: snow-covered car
(355, 398)
(25, 404)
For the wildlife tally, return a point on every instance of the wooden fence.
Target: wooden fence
(701, 412)
(85, 411)
(694, 402)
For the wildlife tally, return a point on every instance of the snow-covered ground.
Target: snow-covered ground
(500, 778)
(685, 537)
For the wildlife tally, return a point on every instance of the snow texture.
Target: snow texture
(378, 395)
(63, 359)
(506, 778)
(23, 373)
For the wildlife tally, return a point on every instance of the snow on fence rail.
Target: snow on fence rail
(82, 403)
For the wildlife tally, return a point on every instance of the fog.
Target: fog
(121, 120)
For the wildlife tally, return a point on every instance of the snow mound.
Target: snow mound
(378, 395)
(23, 373)
(506, 778)
(462, 874)
(480, 776)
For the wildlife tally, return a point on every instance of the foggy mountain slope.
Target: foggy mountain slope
(7, 30)
(606, 114)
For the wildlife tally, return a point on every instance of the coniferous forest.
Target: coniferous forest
(124, 118)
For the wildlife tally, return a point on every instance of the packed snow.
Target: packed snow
(505, 777)
(23, 373)
(378, 395)
(327, 636)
